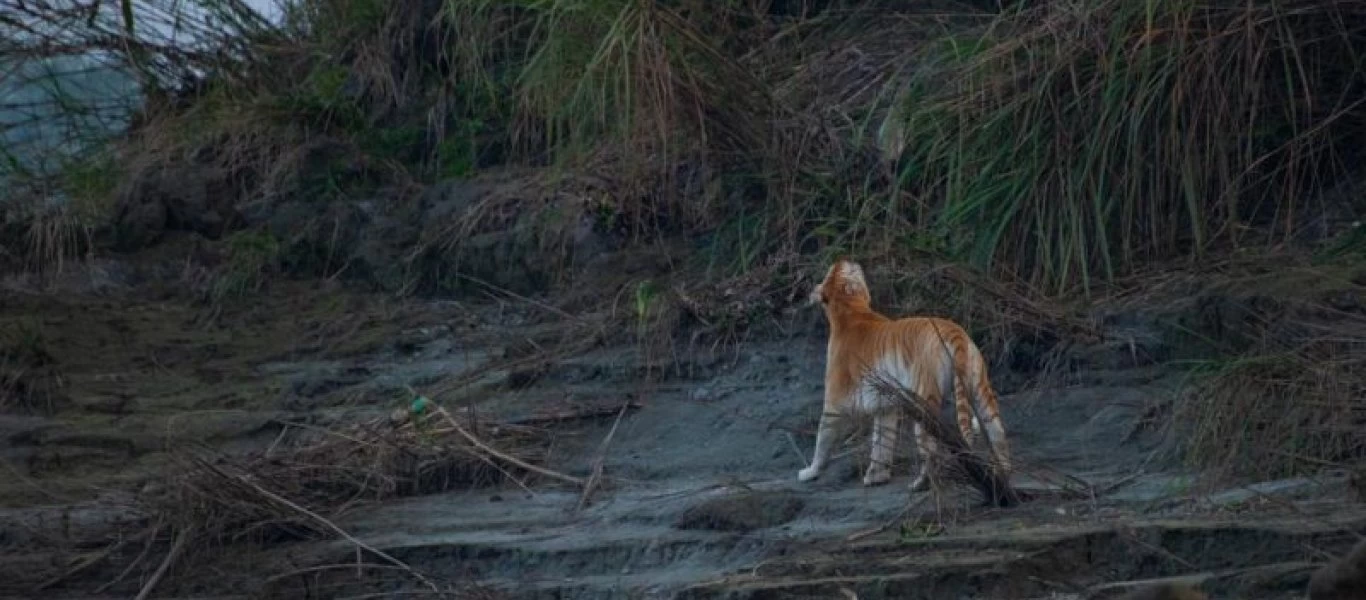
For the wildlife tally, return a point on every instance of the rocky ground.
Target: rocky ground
(698, 496)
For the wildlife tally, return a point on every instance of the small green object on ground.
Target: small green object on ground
(419, 405)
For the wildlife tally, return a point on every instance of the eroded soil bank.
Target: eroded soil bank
(698, 496)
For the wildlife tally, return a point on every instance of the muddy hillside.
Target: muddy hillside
(481, 299)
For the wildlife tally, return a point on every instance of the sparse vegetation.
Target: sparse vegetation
(253, 257)
(29, 377)
(1286, 397)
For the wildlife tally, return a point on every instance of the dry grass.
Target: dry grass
(1277, 365)
(1293, 407)
(332, 470)
(726, 309)
(73, 73)
(863, 128)
(296, 490)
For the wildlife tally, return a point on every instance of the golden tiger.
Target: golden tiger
(931, 357)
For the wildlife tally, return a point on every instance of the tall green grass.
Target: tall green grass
(1079, 140)
(629, 85)
(585, 71)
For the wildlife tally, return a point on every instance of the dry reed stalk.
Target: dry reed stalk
(995, 490)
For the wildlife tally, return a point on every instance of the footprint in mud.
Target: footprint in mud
(742, 512)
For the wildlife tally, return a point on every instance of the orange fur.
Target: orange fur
(932, 357)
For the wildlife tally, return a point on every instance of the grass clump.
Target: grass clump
(327, 471)
(30, 378)
(1079, 140)
(1289, 404)
(1278, 414)
(1276, 366)
(253, 257)
(645, 95)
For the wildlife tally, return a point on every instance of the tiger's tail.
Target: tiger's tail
(975, 401)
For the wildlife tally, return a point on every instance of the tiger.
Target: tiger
(932, 357)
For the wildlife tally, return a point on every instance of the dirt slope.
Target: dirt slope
(700, 498)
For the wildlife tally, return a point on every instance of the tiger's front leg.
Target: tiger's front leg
(825, 438)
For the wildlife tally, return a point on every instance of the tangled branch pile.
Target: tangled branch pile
(293, 491)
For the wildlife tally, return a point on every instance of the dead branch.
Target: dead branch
(996, 490)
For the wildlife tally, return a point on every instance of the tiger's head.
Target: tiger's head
(844, 284)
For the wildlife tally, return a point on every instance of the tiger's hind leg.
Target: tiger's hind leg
(968, 424)
(928, 449)
(884, 446)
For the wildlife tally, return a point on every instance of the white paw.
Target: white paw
(808, 474)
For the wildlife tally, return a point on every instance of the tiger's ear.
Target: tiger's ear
(851, 278)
